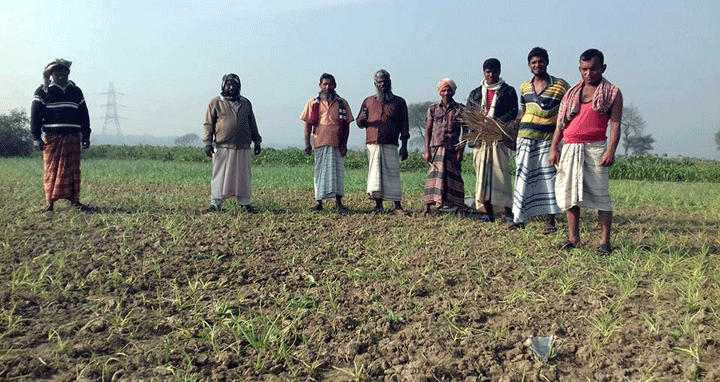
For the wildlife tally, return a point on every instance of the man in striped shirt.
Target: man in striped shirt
(540, 98)
(59, 110)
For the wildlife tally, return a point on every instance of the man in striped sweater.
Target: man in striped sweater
(540, 97)
(58, 109)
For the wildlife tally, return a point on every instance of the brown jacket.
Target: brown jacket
(226, 127)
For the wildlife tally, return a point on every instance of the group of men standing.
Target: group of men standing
(546, 182)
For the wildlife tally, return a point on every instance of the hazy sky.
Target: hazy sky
(168, 57)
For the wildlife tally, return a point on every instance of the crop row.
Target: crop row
(640, 167)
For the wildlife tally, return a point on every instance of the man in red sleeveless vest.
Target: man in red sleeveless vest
(582, 178)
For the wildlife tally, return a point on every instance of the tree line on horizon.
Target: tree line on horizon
(16, 139)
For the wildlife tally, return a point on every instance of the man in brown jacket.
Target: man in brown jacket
(230, 123)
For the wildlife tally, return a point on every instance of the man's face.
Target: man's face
(231, 88)
(382, 84)
(491, 76)
(60, 75)
(538, 66)
(447, 92)
(327, 86)
(591, 71)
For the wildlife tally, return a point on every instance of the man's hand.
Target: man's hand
(308, 149)
(459, 156)
(426, 157)
(553, 157)
(343, 150)
(85, 144)
(209, 150)
(39, 144)
(403, 153)
(607, 159)
(257, 149)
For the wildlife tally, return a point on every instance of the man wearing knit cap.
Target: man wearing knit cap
(59, 111)
(230, 123)
(444, 186)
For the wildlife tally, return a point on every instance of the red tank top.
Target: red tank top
(587, 126)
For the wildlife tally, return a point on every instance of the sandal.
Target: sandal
(549, 229)
(604, 250)
(515, 226)
(566, 245)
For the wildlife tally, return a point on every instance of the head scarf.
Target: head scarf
(229, 77)
(446, 82)
(52, 65)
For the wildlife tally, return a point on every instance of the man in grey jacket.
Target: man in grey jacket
(230, 123)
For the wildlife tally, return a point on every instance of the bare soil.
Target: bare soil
(163, 292)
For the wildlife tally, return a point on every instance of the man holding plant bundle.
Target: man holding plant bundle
(59, 110)
(582, 179)
(384, 116)
(534, 176)
(327, 118)
(491, 159)
(230, 123)
(444, 152)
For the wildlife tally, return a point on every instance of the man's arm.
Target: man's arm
(362, 116)
(608, 157)
(554, 155)
(512, 101)
(209, 129)
(37, 113)
(84, 120)
(428, 134)
(254, 133)
(404, 129)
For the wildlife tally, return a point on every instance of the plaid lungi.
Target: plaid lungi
(61, 176)
(383, 181)
(232, 175)
(493, 178)
(534, 181)
(444, 184)
(329, 173)
(581, 180)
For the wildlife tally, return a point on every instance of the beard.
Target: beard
(328, 96)
(386, 96)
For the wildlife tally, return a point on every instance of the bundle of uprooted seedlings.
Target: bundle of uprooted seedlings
(480, 128)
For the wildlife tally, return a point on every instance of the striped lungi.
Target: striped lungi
(383, 181)
(534, 181)
(232, 173)
(581, 180)
(444, 183)
(493, 178)
(61, 176)
(329, 173)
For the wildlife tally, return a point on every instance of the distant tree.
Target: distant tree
(15, 136)
(641, 144)
(416, 115)
(717, 140)
(188, 140)
(631, 130)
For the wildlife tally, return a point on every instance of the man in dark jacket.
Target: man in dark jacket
(58, 109)
(491, 159)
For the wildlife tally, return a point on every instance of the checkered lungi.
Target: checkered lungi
(61, 175)
(329, 173)
(444, 185)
